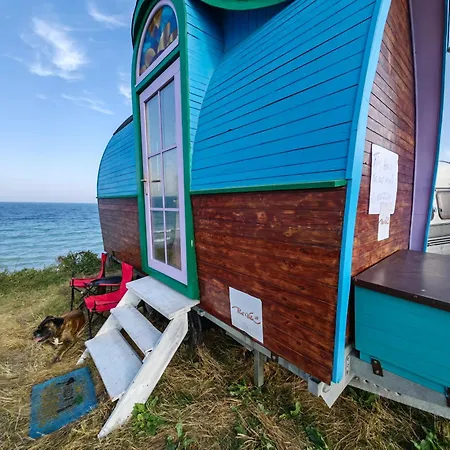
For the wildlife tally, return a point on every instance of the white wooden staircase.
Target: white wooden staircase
(128, 378)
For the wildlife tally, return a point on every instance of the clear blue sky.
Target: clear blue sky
(64, 89)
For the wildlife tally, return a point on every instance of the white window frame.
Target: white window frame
(171, 73)
(167, 51)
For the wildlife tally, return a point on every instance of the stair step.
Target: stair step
(143, 333)
(115, 360)
(165, 300)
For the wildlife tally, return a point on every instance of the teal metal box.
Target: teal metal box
(402, 317)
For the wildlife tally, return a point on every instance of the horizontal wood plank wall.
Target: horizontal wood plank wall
(282, 247)
(205, 50)
(117, 171)
(279, 107)
(238, 25)
(120, 229)
(391, 124)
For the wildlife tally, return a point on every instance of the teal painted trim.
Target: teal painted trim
(242, 5)
(354, 173)
(277, 187)
(116, 196)
(192, 288)
(137, 18)
(410, 336)
(441, 119)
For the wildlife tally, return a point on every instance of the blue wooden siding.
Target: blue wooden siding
(205, 51)
(279, 107)
(117, 172)
(408, 338)
(238, 25)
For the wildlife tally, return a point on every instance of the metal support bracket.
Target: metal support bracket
(357, 373)
(376, 367)
(399, 389)
(259, 360)
(362, 375)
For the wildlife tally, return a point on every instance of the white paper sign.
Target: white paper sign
(384, 179)
(246, 313)
(384, 221)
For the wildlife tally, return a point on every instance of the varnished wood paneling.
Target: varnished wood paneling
(284, 248)
(120, 229)
(391, 124)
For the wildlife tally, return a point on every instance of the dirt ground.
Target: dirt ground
(205, 399)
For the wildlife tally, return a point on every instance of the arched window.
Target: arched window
(159, 38)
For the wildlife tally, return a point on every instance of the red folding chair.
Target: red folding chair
(80, 284)
(98, 304)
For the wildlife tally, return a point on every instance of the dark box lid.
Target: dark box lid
(415, 276)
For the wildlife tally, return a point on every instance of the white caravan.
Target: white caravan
(439, 236)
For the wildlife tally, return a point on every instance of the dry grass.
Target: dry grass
(208, 391)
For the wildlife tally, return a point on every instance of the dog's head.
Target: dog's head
(48, 328)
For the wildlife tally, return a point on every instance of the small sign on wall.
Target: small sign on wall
(383, 187)
(384, 179)
(246, 313)
(384, 221)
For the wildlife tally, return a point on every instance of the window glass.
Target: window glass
(153, 125)
(159, 251)
(170, 178)
(168, 117)
(173, 239)
(161, 32)
(156, 198)
(443, 201)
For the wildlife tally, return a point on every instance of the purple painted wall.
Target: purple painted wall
(428, 19)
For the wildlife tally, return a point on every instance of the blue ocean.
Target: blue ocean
(33, 235)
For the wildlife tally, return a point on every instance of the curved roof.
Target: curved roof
(236, 5)
(279, 107)
(242, 4)
(117, 171)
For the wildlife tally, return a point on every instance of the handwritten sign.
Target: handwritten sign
(246, 313)
(384, 221)
(384, 179)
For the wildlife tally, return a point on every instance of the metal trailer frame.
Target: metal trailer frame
(358, 374)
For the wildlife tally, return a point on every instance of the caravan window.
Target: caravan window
(443, 201)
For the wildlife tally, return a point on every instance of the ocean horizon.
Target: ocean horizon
(34, 234)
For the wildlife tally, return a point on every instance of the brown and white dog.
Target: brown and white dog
(62, 331)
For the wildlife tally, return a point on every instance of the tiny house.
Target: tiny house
(277, 149)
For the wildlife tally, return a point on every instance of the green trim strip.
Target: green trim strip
(116, 196)
(242, 4)
(279, 187)
(141, 13)
(158, 70)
